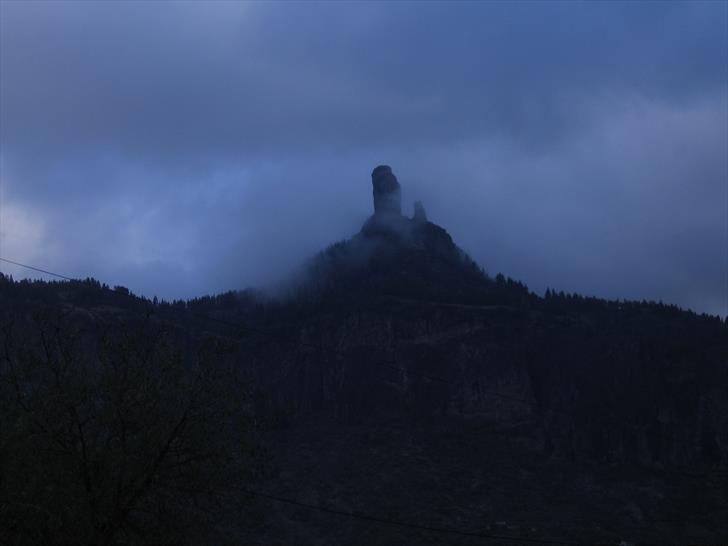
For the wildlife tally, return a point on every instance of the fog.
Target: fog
(188, 148)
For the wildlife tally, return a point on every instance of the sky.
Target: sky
(182, 149)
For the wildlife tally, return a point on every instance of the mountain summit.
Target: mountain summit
(395, 255)
(387, 217)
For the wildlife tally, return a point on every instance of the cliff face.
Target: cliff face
(601, 425)
(593, 390)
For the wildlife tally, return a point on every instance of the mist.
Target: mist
(182, 149)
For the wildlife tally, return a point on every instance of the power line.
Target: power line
(409, 525)
(389, 364)
(354, 515)
(38, 269)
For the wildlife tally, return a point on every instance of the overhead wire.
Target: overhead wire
(294, 502)
(410, 525)
(390, 364)
(38, 269)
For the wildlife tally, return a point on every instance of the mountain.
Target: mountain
(397, 381)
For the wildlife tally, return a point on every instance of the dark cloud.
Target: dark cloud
(579, 146)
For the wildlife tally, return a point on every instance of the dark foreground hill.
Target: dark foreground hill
(398, 382)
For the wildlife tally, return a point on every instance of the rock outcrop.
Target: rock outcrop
(388, 222)
(387, 191)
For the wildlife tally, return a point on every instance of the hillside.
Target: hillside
(398, 380)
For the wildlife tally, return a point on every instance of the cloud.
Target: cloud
(576, 146)
(159, 80)
(635, 207)
(22, 234)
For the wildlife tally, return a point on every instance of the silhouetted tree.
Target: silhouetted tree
(117, 433)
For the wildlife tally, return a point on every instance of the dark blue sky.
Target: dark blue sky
(188, 148)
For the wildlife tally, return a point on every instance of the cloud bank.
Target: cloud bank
(188, 148)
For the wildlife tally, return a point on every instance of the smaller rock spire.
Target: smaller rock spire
(420, 214)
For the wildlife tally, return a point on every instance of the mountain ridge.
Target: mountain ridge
(398, 378)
